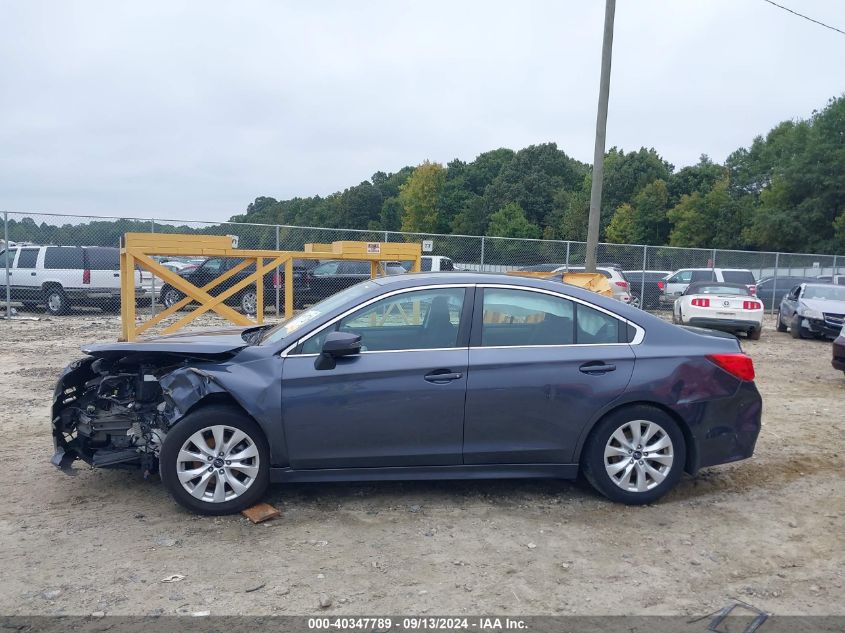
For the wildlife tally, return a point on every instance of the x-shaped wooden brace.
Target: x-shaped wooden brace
(206, 301)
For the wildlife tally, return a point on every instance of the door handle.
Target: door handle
(443, 375)
(33, 274)
(596, 367)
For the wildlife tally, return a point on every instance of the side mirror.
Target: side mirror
(337, 345)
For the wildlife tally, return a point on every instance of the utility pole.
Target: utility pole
(601, 130)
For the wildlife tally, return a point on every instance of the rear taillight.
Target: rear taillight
(752, 290)
(751, 305)
(622, 284)
(738, 365)
(661, 284)
(86, 276)
(701, 303)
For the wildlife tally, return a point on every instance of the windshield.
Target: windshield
(834, 293)
(314, 312)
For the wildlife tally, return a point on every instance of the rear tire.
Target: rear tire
(618, 474)
(249, 302)
(242, 482)
(57, 301)
(754, 334)
(780, 325)
(170, 296)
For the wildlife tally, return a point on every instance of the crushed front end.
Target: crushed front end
(110, 411)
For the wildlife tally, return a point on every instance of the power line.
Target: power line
(806, 17)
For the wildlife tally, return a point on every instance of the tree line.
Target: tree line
(786, 192)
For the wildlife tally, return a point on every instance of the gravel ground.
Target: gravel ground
(768, 530)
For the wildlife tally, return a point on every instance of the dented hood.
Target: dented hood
(198, 342)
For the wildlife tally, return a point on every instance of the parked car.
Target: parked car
(429, 376)
(720, 306)
(674, 286)
(812, 310)
(838, 280)
(838, 361)
(334, 275)
(772, 290)
(60, 277)
(645, 287)
(619, 284)
(432, 263)
(247, 298)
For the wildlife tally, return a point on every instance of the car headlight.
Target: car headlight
(809, 313)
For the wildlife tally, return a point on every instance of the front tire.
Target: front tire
(635, 455)
(202, 479)
(795, 327)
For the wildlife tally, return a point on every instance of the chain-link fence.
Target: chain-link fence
(64, 264)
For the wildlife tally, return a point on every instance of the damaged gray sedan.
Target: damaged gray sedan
(427, 376)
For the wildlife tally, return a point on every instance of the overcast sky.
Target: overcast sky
(192, 109)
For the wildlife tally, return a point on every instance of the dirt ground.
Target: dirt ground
(768, 530)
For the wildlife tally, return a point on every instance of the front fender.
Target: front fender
(255, 386)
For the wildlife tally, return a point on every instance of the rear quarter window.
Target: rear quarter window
(63, 258)
(103, 259)
(738, 276)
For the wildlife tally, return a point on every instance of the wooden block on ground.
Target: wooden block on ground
(261, 512)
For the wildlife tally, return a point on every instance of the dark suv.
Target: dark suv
(247, 298)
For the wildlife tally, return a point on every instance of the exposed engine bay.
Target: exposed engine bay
(111, 411)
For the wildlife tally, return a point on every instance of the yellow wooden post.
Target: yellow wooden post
(259, 292)
(289, 288)
(374, 269)
(127, 295)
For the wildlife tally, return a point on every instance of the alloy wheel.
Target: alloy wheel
(171, 297)
(218, 463)
(638, 455)
(249, 302)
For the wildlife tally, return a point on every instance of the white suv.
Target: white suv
(618, 283)
(674, 285)
(64, 276)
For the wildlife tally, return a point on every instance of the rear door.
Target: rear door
(104, 266)
(541, 366)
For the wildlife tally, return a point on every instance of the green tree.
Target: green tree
(420, 198)
(622, 227)
(510, 221)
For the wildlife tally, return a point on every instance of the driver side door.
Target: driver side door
(399, 402)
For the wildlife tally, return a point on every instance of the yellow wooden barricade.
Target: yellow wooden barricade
(137, 249)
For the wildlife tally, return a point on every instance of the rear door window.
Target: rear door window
(425, 264)
(64, 258)
(704, 275)
(738, 277)
(27, 258)
(514, 318)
